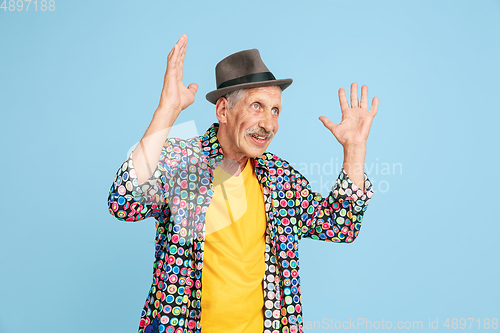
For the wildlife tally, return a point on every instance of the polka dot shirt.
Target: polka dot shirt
(177, 196)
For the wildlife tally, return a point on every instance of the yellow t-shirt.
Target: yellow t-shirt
(233, 260)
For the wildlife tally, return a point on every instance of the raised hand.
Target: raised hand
(356, 120)
(353, 130)
(175, 96)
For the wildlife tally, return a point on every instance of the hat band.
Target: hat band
(257, 77)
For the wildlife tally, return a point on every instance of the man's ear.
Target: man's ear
(221, 109)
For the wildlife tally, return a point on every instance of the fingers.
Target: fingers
(182, 55)
(343, 100)
(169, 56)
(172, 57)
(176, 47)
(175, 60)
(354, 95)
(374, 108)
(171, 53)
(328, 123)
(364, 97)
(363, 104)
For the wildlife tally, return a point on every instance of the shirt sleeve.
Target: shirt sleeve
(130, 201)
(337, 217)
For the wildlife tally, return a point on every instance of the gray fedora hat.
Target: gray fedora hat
(242, 70)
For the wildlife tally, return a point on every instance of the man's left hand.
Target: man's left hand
(356, 120)
(353, 130)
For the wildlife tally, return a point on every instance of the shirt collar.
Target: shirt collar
(209, 142)
(212, 148)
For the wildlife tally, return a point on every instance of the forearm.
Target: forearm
(338, 216)
(147, 153)
(354, 161)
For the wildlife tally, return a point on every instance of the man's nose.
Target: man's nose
(266, 122)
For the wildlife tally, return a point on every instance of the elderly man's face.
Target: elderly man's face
(253, 122)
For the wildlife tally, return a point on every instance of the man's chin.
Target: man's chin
(257, 152)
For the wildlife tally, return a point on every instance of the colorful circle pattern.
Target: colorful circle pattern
(178, 195)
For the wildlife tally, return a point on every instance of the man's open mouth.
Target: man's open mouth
(259, 137)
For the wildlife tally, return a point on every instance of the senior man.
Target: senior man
(229, 215)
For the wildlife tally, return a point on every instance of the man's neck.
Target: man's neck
(232, 167)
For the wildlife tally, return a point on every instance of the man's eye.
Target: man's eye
(255, 106)
(275, 111)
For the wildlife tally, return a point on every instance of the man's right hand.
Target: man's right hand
(175, 97)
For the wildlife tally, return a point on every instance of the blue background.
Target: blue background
(79, 86)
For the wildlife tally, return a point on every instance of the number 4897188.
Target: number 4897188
(13, 5)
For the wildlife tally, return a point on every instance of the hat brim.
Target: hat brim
(213, 96)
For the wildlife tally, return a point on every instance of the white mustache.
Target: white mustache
(260, 132)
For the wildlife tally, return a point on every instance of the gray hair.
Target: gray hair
(234, 97)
